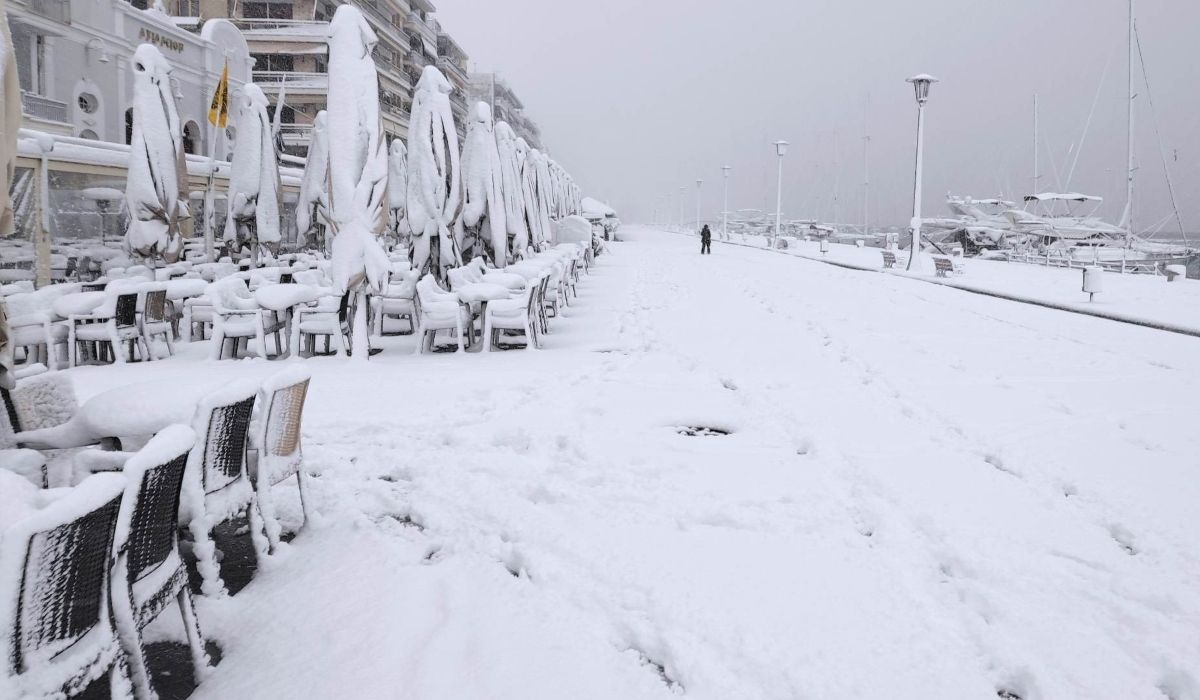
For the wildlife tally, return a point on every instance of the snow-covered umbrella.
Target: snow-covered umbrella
(255, 194)
(527, 159)
(433, 178)
(483, 188)
(358, 167)
(542, 193)
(156, 189)
(510, 176)
(10, 121)
(312, 211)
(398, 192)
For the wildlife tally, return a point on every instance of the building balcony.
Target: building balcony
(458, 103)
(414, 24)
(297, 83)
(53, 10)
(43, 108)
(416, 60)
(453, 71)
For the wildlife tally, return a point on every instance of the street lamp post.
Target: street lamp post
(725, 208)
(698, 183)
(682, 190)
(780, 149)
(921, 85)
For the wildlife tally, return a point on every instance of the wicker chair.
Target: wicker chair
(156, 320)
(108, 331)
(57, 632)
(149, 565)
(278, 443)
(218, 485)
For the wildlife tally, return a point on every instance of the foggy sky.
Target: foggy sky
(637, 99)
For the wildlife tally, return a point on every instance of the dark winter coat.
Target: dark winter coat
(705, 235)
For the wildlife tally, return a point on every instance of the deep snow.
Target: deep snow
(925, 494)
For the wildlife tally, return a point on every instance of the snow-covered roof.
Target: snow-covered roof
(1068, 197)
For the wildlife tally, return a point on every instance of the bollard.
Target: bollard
(1092, 282)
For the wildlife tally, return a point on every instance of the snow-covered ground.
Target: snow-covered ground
(924, 494)
(1138, 298)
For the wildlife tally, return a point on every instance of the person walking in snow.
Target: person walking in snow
(705, 240)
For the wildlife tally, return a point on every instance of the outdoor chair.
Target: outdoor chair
(439, 310)
(41, 402)
(281, 404)
(217, 485)
(236, 319)
(397, 302)
(155, 319)
(35, 328)
(57, 630)
(198, 317)
(543, 288)
(552, 291)
(107, 332)
(519, 314)
(319, 321)
(150, 572)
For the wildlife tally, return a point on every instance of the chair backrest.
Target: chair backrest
(155, 309)
(282, 411)
(126, 311)
(94, 287)
(286, 278)
(58, 561)
(151, 500)
(458, 277)
(222, 424)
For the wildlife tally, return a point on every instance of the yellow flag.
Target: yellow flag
(218, 113)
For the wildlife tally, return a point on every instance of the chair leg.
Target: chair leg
(201, 664)
(266, 510)
(130, 637)
(305, 496)
(487, 339)
(119, 683)
(205, 550)
(258, 533)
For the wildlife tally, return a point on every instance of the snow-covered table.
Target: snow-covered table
(481, 293)
(184, 288)
(511, 280)
(284, 298)
(80, 303)
(127, 411)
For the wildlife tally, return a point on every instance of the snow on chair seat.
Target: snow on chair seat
(519, 314)
(55, 624)
(439, 310)
(110, 328)
(236, 318)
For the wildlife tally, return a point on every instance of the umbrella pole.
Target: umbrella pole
(210, 195)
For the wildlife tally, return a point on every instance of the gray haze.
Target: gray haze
(639, 98)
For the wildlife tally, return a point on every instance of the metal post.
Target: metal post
(681, 192)
(698, 183)
(778, 200)
(914, 255)
(725, 207)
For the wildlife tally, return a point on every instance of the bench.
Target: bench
(944, 266)
(889, 259)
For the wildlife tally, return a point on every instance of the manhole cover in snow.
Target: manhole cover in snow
(700, 430)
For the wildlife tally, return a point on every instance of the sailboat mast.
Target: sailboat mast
(1128, 218)
(1035, 145)
(867, 166)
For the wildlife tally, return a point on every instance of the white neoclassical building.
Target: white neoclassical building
(73, 60)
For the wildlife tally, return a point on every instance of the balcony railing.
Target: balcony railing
(43, 108)
(56, 10)
(416, 58)
(292, 78)
(448, 66)
(457, 101)
(251, 24)
(414, 23)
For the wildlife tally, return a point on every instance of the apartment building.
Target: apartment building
(73, 61)
(506, 106)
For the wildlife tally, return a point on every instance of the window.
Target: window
(189, 8)
(191, 137)
(267, 10)
(89, 135)
(274, 61)
(88, 104)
